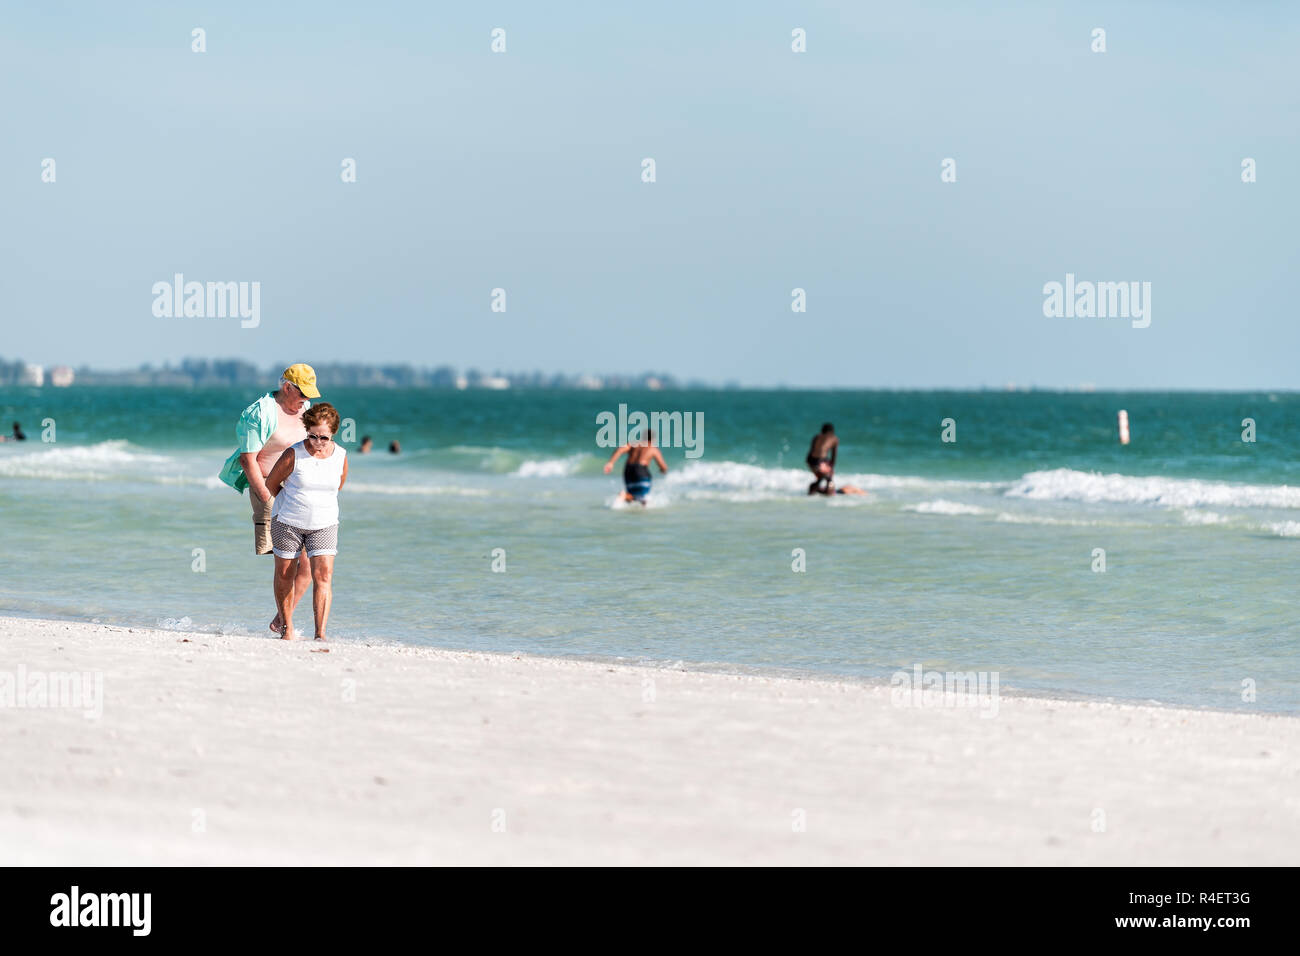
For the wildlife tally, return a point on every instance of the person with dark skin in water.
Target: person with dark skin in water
(17, 435)
(636, 473)
(821, 459)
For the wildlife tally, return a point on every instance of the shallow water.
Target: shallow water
(976, 555)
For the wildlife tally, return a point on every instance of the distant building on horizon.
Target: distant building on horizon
(31, 375)
(61, 376)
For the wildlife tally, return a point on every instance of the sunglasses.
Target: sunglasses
(311, 437)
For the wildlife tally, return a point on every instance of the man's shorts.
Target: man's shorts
(289, 540)
(639, 490)
(261, 525)
(636, 479)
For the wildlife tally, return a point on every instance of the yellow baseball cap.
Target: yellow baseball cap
(304, 377)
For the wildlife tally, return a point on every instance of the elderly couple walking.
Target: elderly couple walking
(293, 469)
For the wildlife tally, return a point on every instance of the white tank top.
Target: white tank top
(309, 499)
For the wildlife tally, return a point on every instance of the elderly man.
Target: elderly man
(264, 430)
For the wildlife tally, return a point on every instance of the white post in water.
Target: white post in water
(1123, 427)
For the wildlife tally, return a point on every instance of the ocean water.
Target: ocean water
(974, 555)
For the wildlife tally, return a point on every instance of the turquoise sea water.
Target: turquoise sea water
(972, 555)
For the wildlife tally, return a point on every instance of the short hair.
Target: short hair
(324, 413)
(828, 429)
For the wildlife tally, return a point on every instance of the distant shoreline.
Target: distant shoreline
(266, 384)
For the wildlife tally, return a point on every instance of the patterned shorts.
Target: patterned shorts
(288, 541)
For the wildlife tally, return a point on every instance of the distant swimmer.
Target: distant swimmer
(821, 459)
(636, 473)
(366, 444)
(829, 489)
(17, 435)
(394, 447)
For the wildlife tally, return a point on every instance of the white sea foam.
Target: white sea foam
(944, 507)
(362, 487)
(477, 450)
(734, 476)
(549, 467)
(1008, 517)
(115, 460)
(119, 460)
(1192, 516)
(740, 496)
(656, 499)
(1066, 484)
(491, 458)
(211, 481)
(1284, 529)
(104, 459)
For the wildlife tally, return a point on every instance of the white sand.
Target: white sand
(251, 743)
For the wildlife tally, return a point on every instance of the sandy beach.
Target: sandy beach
(215, 749)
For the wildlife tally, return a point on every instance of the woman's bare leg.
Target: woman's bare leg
(300, 585)
(322, 572)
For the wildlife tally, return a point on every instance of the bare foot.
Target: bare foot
(320, 637)
(275, 622)
(287, 633)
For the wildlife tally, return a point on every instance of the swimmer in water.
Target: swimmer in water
(847, 490)
(636, 473)
(821, 459)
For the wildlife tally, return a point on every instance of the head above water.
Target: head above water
(828, 429)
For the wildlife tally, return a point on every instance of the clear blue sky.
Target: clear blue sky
(775, 170)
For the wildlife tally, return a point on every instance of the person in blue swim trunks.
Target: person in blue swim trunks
(636, 473)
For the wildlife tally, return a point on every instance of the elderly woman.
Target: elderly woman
(264, 430)
(305, 483)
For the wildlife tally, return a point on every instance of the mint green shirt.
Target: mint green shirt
(255, 427)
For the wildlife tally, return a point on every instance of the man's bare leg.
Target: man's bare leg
(284, 583)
